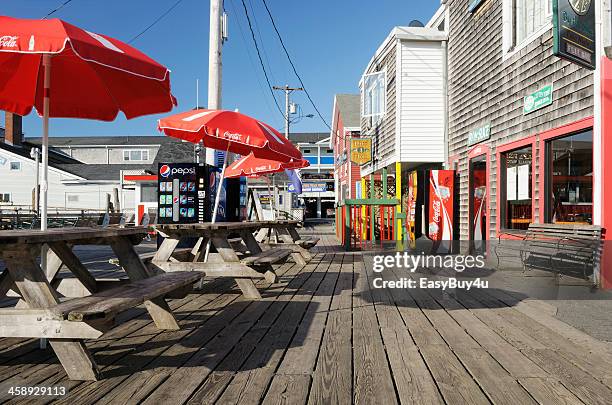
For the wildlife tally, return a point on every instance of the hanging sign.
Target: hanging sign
(574, 31)
(361, 151)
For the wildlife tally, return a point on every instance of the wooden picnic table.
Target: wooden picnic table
(285, 232)
(237, 254)
(43, 313)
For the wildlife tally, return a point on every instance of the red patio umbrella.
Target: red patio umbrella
(251, 166)
(230, 131)
(65, 71)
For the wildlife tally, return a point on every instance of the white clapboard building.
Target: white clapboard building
(83, 171)
(403, 102)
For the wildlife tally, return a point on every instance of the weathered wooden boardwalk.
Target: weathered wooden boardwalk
(323, 335)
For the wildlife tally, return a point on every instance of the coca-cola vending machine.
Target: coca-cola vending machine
(442, 203)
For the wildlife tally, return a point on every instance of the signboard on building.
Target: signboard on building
(574, 31)
(538, 99)
(361, 151)
(316, 187)
(479, 135)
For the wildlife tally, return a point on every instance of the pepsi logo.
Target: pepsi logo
(164, 171)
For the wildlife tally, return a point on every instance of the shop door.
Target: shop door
(478, 198)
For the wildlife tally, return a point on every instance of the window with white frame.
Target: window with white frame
(72, 198)
(5, 197)
(373, 97)
(525, 19)
(15, 166)
(135, 155)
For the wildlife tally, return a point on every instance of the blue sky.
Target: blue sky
(330, 42)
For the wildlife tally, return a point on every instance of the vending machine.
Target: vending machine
(183, 193)
(441, 201)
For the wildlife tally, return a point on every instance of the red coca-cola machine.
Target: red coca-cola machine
(442, 209)
(436, 191)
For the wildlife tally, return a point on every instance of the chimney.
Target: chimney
(13, 134)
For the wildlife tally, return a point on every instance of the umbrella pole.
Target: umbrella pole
(45, 166)
(45, 141)
(274, 196)
(217, 198)
(270, 196)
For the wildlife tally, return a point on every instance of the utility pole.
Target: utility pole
(214, 63)
(288, 90)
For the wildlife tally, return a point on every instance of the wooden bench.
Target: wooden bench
(66, 323)
(107, 304)
(271, 256)
(307, 243)
(565, 249)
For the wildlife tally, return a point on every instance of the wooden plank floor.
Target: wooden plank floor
(321, 334)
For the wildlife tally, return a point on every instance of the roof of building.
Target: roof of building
(350, 108)
(100, 172)
(171, 150)
(407, 34)
(308, 137)
(55, 157)
(59, 141)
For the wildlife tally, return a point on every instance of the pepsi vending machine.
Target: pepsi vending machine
(183, 193)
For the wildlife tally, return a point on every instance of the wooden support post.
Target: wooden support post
(372, 218)
(67, 256)
(385, 191)
(228, 254)
(32, 282)
(254, 248)
(398, 208)
(363, 209)
(347, 233)
(384, 196)
(130, 261)
(166, 249)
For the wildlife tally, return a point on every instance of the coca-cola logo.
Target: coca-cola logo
(436, 211)
(8, 41)
(229, 135)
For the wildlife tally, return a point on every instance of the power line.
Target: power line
(293, 66)
(261, 41)
(244, 40)
(246, 12)
(57, 9)
(158, 19)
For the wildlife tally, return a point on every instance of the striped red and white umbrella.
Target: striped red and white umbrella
(251, 166)
(230, 131)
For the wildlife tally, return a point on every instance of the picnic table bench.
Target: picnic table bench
(565, 249)
(235, 253)
(285, 232)
(43, 313)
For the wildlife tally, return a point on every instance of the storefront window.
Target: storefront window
(570, 179)
(516, 192)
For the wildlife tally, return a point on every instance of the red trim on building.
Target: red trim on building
(140, 177)
(477, 151)
(606, 169)
(507, 148)
(564, 130)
